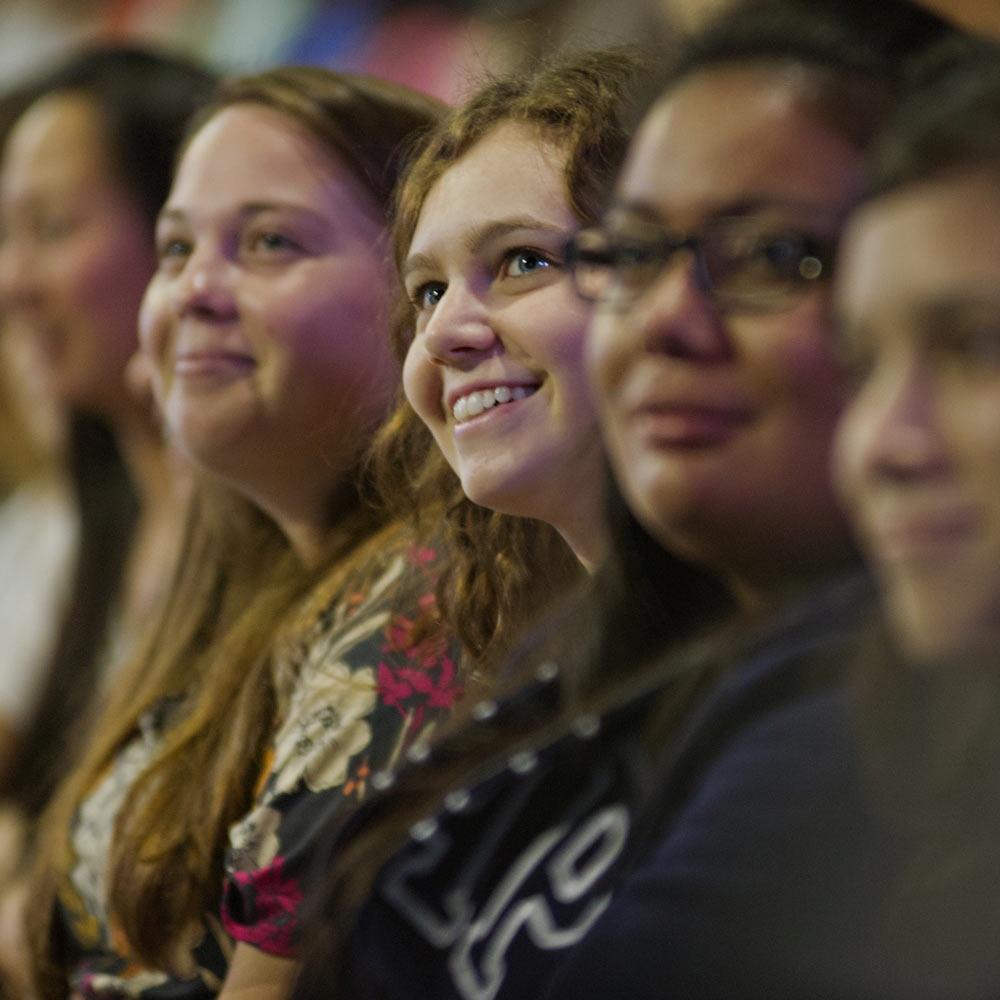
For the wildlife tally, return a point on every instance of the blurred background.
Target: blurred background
(440, 47)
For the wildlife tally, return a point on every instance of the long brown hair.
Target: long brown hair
(500, 568)
(237, 582)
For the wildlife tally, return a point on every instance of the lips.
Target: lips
(212, 363)
(688, 425)
(928, 535)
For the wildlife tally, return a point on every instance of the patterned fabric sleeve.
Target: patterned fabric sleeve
(372, 674)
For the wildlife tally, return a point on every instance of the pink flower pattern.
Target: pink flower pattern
(276, 900)
(386, 633)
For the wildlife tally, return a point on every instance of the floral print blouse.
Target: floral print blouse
(364, 676)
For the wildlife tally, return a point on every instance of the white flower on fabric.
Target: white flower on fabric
(325, 728)
(254, 840)
(123, 985)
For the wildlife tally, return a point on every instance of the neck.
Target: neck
(306, 535)
(754, 592)
(582, 527)
(307, 520)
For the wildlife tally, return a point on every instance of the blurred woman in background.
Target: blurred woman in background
(86, 165)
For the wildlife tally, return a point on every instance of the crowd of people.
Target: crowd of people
(545, 547)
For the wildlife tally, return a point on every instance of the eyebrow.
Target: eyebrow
(474, 241)
(942, 310)
(744, 207)
(248, 210)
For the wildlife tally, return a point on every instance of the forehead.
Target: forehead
(251, 153)
(933, 239)
(514, 170)
(56, 144)
(731, 135)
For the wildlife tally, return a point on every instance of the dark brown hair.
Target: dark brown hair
(949, 120)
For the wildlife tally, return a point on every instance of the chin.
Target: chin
(497, 496)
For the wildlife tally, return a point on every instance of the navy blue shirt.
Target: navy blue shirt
(517, 874)
(750, 859)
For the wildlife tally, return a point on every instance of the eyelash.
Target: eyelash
(515, 252)
(418, 296)
(258, 242)
(173, 247)
(176, 247)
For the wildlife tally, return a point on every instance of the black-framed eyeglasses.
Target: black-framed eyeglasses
(740, 263)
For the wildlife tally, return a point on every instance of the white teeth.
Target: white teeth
(475, 403)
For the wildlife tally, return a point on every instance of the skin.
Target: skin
(262, 327)
(254, 975)
(975, 15)
(76, 252)
(495, 307)
(918, 453)
(719, 425)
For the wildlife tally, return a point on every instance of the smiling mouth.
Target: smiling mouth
(474, 404)
(932, 536)
(689, 426)
(213, 363)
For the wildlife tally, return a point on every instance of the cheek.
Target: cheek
(849, 460)
(318, 318)
(422, 386)
(604, 357)
(970, 423)
(795, 366)
(567, 335)
(108, 274)
(154, 335)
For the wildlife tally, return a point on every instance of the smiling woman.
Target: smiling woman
(299, 649)
(497, 441)
(262, 321)
(495, 367)
(917, 455)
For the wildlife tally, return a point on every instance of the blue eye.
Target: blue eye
(428, 295)
(520, 262)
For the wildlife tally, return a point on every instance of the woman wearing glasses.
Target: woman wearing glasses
(720, 393)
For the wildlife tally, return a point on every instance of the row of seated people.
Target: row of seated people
(549, 556)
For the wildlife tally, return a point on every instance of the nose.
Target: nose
(459, 331)
(203, 287)
(904, 442)
(675, 317)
